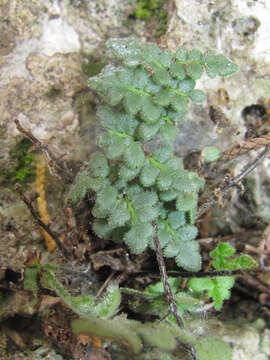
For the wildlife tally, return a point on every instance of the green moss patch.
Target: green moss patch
(21, 168)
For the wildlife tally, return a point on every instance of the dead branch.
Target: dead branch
(38, 220)
(246, 146)
(223, 190)
(168, 292)
(53, 164)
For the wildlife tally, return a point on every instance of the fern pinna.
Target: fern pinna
(145, 98)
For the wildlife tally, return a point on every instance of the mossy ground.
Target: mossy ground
(154, 13)
(21, 166)
(91, 65)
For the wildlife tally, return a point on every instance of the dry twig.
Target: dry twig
(53, 164)
(224, 190)
(37, 218)
(168, 292)
(246, 146)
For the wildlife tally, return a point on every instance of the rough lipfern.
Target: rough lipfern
(146, 97)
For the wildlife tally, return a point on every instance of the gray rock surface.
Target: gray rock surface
(42, 46)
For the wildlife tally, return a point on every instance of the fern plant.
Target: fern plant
(218, 288)
(145, 97)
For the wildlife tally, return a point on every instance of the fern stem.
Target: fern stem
(136, 91)
(168, 291)
(132, 212)
(165, 281)
(119, 134)
(155, 163)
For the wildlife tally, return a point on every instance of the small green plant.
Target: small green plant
(152, 300)
(218, 288)
(84, 305)
(211, 153)
(21, 169)
(141, 196)
(146, 9)
(146, 98)
(154, 13)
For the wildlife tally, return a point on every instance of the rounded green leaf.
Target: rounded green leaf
(178, 71)
(186, 202)
(168, 195)
(128, 174)
(106, 118)
(148, 175)
(183, 183)
(126, 123)
(188, 256)
(144, 198)
(225, 67)
(126, 49)
(195, 55)
(102, 228)
(150, 111)
(161, 76)
(132, 102)
(141, 78)
(171, 250)
(116, 148)
(178, 116)
(176, 219)
(179, 103)
(163, 97)
(165, 58)
(181, 54)
(99, 165)
(200, 284)
(175, 163)
(120, 215)
(99, 212)
(222, 250)
(125, 76)
(197, 96)
(165, 179)
(187, 232)
(218, 65)
(149, 131)
(211, 153)
(106, 198)
(138, 237)
(194, 70)
(163, 153)
(134, 155)
(151, 53)
(152, 88)
(164, 237)
(115, 95)
(168, 132)
(147, 213)
(186, 85)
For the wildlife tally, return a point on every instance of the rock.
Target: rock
(42, 48)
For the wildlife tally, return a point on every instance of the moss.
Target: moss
(21, 169)
(153, 11)
(53, 93)
(91, 65)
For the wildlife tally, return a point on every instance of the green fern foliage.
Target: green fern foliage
(85, 305)
(145, 97)
(218, 288)
(153, 301)
(223, 260)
